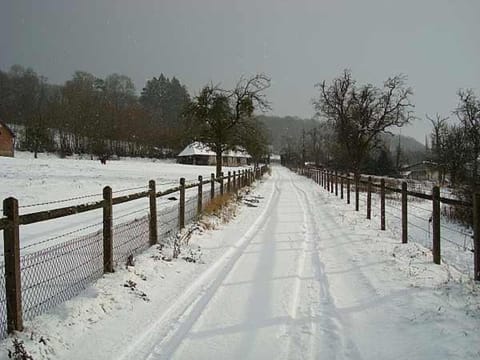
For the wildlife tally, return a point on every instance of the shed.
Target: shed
(7, 140)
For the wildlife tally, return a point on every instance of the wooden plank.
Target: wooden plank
(58, 213)
(131, 197)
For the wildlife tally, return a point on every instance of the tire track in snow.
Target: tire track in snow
(182, 315)
(333, 335)
(295, 334)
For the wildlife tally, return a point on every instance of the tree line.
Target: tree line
(88, 114)
(455, 145)
(102, 117)
(352, 131)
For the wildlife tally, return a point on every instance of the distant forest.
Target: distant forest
(92, 115)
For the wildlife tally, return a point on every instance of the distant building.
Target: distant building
(425, 170)
(275, 158)
(7, 140)
(198, 153)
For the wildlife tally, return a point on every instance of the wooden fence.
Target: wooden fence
(12, 220)
(343, 184)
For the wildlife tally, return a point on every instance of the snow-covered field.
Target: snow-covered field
(51, 180)
(297, 274)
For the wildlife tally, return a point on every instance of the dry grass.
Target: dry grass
(216, 205)
(220, 210)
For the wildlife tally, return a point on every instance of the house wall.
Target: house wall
(6, 142)
(211, 160)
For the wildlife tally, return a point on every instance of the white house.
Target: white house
(198, 153)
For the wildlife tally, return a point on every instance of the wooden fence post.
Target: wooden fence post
(327, 176)
(369, 198)
(436, 225)
(200, 196)
(152, 193)
(476, 236)
(348, 189)
(357, 192)
(221, 184)
(181, 207)
(404, 213)
(107, 230)
(11, 249)
(330, 175)
(332, 181)
(229, 185)
(382, 204)
(234, 182)
(336, 183)
(341, 186)
(212, 186)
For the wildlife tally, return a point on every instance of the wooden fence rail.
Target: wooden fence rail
(11, 221)
(330, 180)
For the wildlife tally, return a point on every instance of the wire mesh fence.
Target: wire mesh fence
(456, 238)
(191, 208)
(55, 274)
(167, 221)
(59, 268)
(130, 238)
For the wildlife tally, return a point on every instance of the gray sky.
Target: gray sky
(298, 43)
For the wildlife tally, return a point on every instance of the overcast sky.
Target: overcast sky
(298, 43)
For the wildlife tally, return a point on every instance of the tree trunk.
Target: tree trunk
(219, 163)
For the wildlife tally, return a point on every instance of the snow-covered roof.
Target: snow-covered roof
(198, 148)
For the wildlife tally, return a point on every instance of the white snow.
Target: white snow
(298, 274)
(50, 179)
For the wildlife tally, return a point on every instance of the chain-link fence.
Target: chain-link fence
(55, 274)
(68, 263)
(130, 238)
(167, 221)
(455, 238)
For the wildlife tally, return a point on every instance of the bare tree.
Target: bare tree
(438, 138)
(360, 114)
(218, 114)
(468, 112)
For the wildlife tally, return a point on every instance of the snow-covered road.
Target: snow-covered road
(295, 274)
(304, 283)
